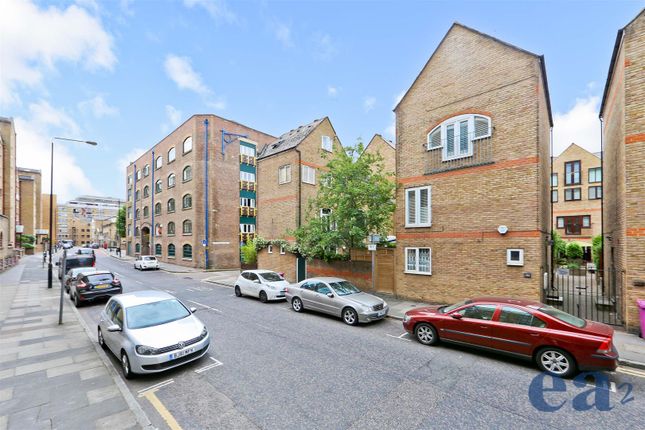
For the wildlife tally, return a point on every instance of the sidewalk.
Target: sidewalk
(631, 348)
(52, 376)
(167, 267)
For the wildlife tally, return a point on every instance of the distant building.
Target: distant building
(387, 150)
(104, 231)
(75, 217)
(8, 190)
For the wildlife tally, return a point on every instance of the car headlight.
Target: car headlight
(204, 332)
(384, 304)
(406, 318)
(146, 350)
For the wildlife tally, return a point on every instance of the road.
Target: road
(284, 370)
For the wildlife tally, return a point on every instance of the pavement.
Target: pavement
(52, 376)
(175, 268)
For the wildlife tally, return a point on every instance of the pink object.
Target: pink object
(641, 306)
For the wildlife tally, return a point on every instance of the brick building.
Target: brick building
(472, 166)
(576, 192)
(74, 218)
(168, 207)
(30, 202)
(8, 190)
(45, 216)
(386, 149)
(622, 113)
(288, 178)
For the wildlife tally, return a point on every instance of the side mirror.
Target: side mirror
(113, 328)
(193, 310)
(456, 316)
(330, 295)
(257, 281)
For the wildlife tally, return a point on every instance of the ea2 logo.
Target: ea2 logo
(596, 396)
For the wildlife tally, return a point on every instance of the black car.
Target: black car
(101, 284)
(74, 261)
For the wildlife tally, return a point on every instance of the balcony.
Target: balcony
(246, 237)
(459, 155)
(248, 211)
(247, 159)
(248, 186)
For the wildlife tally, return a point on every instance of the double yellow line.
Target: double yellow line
(149, 393)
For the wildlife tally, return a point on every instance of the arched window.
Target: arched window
(171, 250)
(158, 249)
(456, 136)
(146, 170)
(146, 191)
(137, 214)
(171, 180)
(187, 174)
(171, 154)
(187, 202)
(171, 205)
(187, 251)
(171, 228)
(137, 248)
(146, 212)
(138, 175)
(188, 144)
(137, 195)
(159, 162)
(158, 186)
(157, 208)
(187, 227)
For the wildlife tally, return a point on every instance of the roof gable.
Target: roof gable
(290, 139)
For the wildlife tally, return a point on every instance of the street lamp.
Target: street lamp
(51, 216)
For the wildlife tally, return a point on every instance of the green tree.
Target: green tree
(559, 248)
(355, 199)
(120, 222)
(249, 252)
(596, 249)
(574, 251)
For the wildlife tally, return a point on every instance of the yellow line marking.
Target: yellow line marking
(165, 413)
(632, 372)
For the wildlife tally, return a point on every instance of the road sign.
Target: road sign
(371, 247)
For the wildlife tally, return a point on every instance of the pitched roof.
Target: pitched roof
(390, 144)
(290, 139)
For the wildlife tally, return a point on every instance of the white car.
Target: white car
(144, 262)
(264, 284)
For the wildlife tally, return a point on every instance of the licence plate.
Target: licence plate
(181, 353)
(102, 286)
(381, 313)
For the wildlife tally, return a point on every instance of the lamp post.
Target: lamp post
(51, 216)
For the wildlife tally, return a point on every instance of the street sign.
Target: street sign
(204, 243)
(371, 247)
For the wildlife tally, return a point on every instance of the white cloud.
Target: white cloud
(369, 103)
(180, 70)
(282, 32)
(217, 9)
(128, 158)
(33, 140)
(390, 131)
(35, 39)
(325, 49)
(332, 91)
(98, 107)
(579, 125)
(173, 117)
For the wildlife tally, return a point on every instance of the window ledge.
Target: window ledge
(170, 257)
(186, 259)
(409, 272)
(186, 234)
(418, 225)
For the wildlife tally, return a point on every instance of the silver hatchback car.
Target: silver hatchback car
(336, 296)
(151, 331)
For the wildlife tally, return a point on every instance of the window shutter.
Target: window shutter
(450, 140)
(424, 205)
(434, 139)
(411, 206)
(481, 126)
(463, 137)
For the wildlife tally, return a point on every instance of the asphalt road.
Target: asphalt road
(283, 370)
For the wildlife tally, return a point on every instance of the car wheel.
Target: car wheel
(77, 301)
(101, 340)
(238, 292)
(426, 334)
(350, 317)
(263, 297)
(125, 366)
(296, 304)
(556, 362)
(135, 267)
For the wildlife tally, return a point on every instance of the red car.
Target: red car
(560, 344)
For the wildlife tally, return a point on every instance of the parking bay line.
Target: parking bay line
(206, 306)
(156, 386)
(210, 366)
(149, 394)
(400, 337)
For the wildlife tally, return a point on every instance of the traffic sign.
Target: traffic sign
(371, 247)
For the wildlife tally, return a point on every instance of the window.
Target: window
(560, 222)
(187, 227)
(308, 175)
(158, 229)
(479, 312)
(586, 221)
(247, 228)
(456, 135)
(187, 174)
(171, 180)
(146, 212)
(554, 179)
(247, 150)
(595, 174)
(137, 248)
(171, 205)
(171, 250)
(187, 201)
(595, 192)
(283, 249)
(138, 175)
(129, 179)
(248, 202)
(187, 251)
(328, 223)
(137, 214)
(418, 211)
(284, 174)
(158, 249)
(188, 145)
(554, 196)
(146, 170)
(572, 194)
(512, 315)
(159, 163)
(158, 186)
(572, 173)
(247, 176)
(137, 196)
(129, 194)
(270, 249)
(146, 191)
(515, 257)
(171, 155)
(171, 228)
(157, 208)
(418, 261)
(572, 225)
(327, 143)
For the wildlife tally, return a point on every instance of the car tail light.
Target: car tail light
(81, 286)
(286, 289)
(605, 347)
(116, 281)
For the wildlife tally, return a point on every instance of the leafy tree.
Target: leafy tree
(27, 241)
(120, 222)
(574, 251)
(249, 252)
(596, 249)
(559, 247)
(355, 199)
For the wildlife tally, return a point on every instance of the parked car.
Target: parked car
(72, 274)
(86, 251)
(74, 261)
(151, 331)
(264, 284)
(336, 296)
(67, 244)
(94, 245)
(97, 285)
(557, 342)
(144, 262)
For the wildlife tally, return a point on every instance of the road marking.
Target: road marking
(138, 282)
(210, 366)
(631, 372)
(189, 289)
(169, 291)
(156, 386)
(399, 337)
(165, 413)
(206, 306)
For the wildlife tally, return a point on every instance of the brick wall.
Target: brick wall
(281, 263)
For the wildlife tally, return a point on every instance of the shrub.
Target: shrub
(249, 252)
(559, 247)
(596, 250)
(574, 251)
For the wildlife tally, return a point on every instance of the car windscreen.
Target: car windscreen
(563, 316)
(344, 288)
(271, 276)
(100, 278)
(85, 251)
(455, 306)
(156, 313)
(149, 258)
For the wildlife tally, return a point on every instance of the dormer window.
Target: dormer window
(455, 136)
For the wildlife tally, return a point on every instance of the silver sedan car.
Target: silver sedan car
(336, 296)
(151, 331)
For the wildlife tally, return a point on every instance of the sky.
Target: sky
(125, 73)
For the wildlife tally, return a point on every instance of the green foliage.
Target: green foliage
(27, 239)
(573, 266)
(559, 248)
(120, 222)
(360, 199)
(574, 251)
(249, 252)
(596, 249)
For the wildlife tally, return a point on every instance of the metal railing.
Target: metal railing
(247, 185)
(248, 211)
(459, 154)
(247, 159)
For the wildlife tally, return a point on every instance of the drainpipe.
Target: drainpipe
(551, 241)
(134, 209)
(601, 261)
(152, 205)
(299, 217)
(206, 208)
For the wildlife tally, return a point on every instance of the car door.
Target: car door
(107, 318)
(116, 337)
(254, 284)
(517, 331)
(329, 305)
(308, 295)
(472, 325)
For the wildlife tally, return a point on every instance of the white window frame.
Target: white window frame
(270, 249)
(172, 151)
(159, 162)
(510, 262)
(327, 143)
(146, 170)
(247, 228)
(247, 150)
(287, 175)
(189, 139)
(308, 175)
(247, 176)
(455, 122)
(416, 271)
(417, 207)
(249, 200)
(283, 249)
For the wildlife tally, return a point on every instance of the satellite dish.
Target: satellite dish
(502, 229)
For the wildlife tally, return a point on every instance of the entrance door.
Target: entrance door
(145, 241)
(301, 268)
